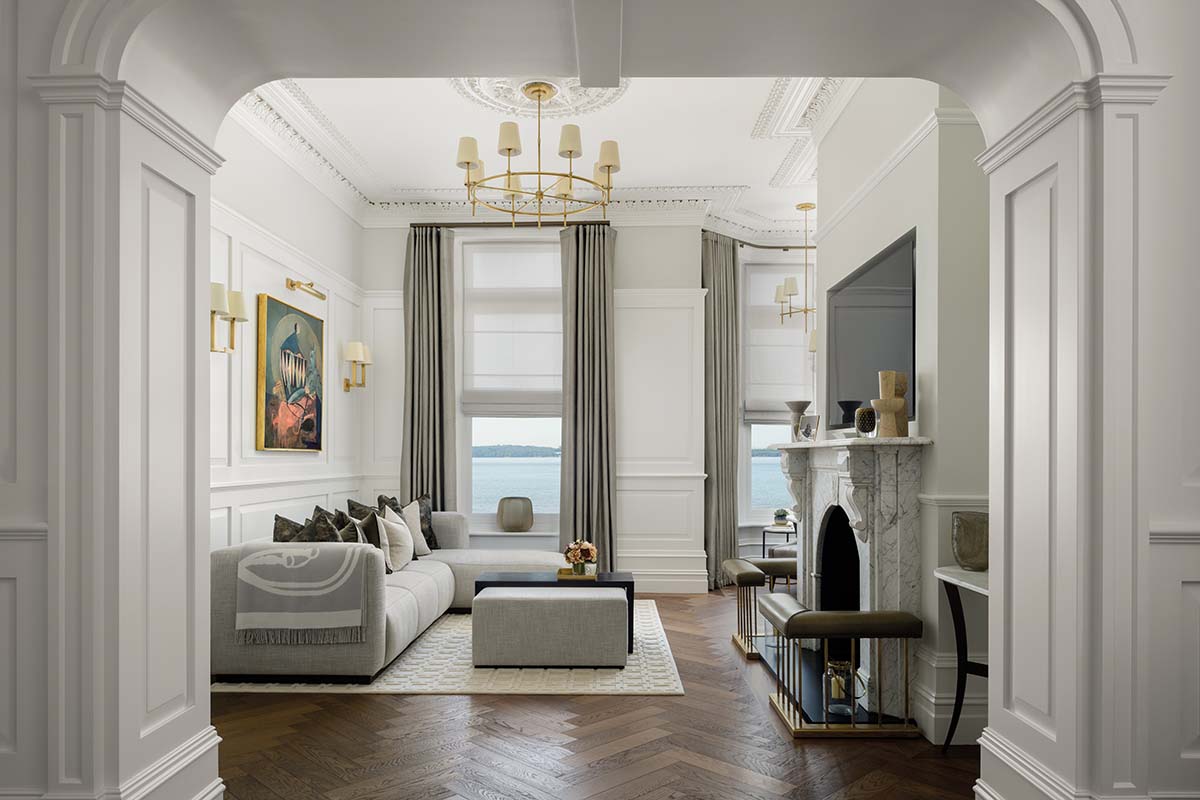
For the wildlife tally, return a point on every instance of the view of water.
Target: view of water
(768, 485)
(538, 479)
(535, 478)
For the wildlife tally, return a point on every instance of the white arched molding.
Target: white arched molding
(1071, 679)
(127, 672)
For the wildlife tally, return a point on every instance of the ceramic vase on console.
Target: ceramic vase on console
(848, 408)
(798, 407)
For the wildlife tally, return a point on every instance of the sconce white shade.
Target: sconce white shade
(790, 288)
(599, 176)
(812, 341)
(366, 353)
(610, 156)
(468, 152)
(237, 307)
(780, 294)
(569, 142)
(354, 352)
(512, 184)
(218, 299)
(510, 139)
(475, 173)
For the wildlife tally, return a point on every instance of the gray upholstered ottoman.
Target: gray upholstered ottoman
(549, 626)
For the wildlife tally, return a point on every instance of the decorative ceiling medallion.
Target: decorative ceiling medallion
(504, 95)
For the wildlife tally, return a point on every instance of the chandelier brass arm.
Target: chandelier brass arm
(553, 187)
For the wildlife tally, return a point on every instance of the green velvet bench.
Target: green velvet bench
(748, 574)
(793, 622)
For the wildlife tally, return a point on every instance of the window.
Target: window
(511, 366)
(776, 366)
(768, 484)
(515, 456)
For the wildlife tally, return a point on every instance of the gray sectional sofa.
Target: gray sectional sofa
(397, 609)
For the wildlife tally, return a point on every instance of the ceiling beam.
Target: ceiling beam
(598, 41)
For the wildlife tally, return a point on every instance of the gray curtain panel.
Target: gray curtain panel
(427, 460)
(588, 441)
(720, 274)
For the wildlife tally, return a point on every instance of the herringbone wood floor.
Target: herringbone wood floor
(719, 741)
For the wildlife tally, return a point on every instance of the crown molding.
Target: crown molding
(1076, 96)
(285, 119)
(802, 109)
(120, 96)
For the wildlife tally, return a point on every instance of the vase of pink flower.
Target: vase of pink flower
(582, 557)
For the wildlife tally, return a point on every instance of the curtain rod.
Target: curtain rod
(549, 223)
(778, 246)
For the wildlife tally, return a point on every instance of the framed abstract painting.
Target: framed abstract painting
(291, 351)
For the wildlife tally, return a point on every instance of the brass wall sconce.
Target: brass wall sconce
(226, 305)
(304, 286)
(785, 291)
(359, 355)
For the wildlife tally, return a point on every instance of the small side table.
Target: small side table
(788, 532)
(953, 579)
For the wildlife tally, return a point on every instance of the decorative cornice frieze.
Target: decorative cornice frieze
(794, 109)
(1076, 96)
(257, 114)
(120, 96)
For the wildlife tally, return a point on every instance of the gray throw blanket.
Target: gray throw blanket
(310, 593)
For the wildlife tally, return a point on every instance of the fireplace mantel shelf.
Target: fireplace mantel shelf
(898, 441)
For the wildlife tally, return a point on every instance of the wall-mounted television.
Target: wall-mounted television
(872, 327)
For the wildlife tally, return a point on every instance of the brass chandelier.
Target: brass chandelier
(557, 194)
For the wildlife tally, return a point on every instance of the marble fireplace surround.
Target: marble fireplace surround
(876, 482)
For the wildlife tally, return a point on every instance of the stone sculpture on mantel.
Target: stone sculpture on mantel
(891, 408)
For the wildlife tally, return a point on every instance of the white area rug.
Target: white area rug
(439, 662)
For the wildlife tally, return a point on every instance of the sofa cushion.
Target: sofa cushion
(402, 620)
(441, 575)
(424, 587)
(467, 565)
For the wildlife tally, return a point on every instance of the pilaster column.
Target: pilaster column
(127, 578)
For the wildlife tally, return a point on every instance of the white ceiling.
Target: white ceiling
(737, 152)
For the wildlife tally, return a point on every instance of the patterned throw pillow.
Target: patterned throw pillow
(427, 522)
(286, 530)
(349, 533)
(318, 529)
(389, 502)
(339, 518)
(359, 510)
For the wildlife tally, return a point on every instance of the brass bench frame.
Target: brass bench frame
(791, 711)
(747, 622)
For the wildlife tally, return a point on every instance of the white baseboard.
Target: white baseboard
(190, 770)
(671, 581)
(933, 709)
(1009, 772)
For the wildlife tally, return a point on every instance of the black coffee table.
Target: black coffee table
(611, 580)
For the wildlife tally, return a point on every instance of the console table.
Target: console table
(953, 579)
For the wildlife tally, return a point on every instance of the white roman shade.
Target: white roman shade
(776, 363)
(512, 329)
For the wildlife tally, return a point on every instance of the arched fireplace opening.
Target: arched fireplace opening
(837, 560)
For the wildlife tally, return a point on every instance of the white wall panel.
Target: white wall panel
(168, 450)
(22, 656)
(659, 503)
(383, 327)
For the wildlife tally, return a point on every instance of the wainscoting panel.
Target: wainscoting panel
(659, 505)
(245, 512)
(660, 381)
(22, 655)
(383, 327)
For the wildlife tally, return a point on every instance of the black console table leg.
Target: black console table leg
(960, 645)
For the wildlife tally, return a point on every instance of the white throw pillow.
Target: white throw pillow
(412, 518)
(399, 541)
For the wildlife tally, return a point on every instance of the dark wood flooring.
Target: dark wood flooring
(718, 741)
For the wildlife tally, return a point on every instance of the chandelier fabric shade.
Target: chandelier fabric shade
(790, 287)
(551, 193)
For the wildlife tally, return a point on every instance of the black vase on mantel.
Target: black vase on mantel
(864, 421)
(848, 408)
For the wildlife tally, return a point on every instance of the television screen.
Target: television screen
(872, 327)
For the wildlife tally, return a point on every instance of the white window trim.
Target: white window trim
(486, 522)
(747, 514)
